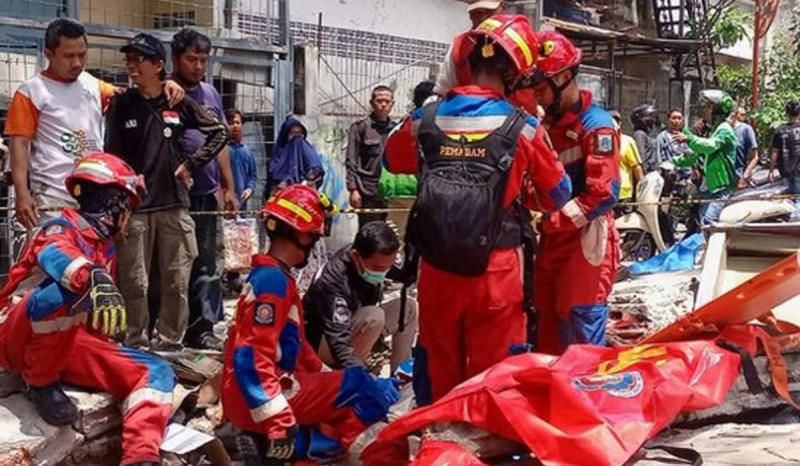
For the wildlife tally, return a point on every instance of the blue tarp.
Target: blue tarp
(680, 256)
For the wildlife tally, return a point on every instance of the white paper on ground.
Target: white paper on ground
(181, 439)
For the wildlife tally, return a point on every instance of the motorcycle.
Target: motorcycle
(653, 224)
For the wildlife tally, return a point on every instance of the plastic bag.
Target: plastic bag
(241, 243)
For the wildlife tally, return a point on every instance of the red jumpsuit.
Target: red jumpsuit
(466, 324)
(273, 380)
(43, 337)
(579, 249)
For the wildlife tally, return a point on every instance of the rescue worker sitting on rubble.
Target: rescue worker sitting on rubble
(718, 152)
(345, 307)
(64, 279)
(482, 162)
(579, 246)
(274, 387)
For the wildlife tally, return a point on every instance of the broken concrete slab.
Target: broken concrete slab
(97, 412)
(733, 445)
(21, 428)
(23, 434)
(56, 450)
(102, 451)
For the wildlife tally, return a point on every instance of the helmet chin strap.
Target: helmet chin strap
(555, 107)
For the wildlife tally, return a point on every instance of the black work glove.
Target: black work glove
(105, 303)
(279, 450)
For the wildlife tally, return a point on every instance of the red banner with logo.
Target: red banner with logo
(592, 406)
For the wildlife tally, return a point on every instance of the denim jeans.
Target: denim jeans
(710, 211)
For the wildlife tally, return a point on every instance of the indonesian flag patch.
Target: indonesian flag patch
(171, 117)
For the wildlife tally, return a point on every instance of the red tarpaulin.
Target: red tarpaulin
(592, 406)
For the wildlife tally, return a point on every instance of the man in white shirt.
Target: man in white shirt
(55, 118)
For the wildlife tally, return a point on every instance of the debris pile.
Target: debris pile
(641, 306)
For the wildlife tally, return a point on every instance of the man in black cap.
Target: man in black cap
(144, 131)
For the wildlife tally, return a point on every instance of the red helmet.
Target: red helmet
(299, 206)
(514, 34)
(106, 170)
(556, 54)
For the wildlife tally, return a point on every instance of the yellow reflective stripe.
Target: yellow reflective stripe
(295, 208)
(526, 50)
(470, 137)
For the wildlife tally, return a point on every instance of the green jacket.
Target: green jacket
(719, 151)
(397, 186)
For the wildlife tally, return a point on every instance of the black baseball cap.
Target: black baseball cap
(147, 46)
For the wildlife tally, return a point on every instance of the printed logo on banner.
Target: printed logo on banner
(622, 385)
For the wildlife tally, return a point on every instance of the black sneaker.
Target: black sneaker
(53, 405)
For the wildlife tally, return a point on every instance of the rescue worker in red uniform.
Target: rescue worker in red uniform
(480, 159)
(456, 70)
(63, 279)
(579, 247)
(274, 387)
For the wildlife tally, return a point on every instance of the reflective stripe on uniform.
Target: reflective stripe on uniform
(574, 212)
(570, 155)
(470, 124)
(145, 394)
(71, 269)
(269, 409)
(59, 324)
(528, 132)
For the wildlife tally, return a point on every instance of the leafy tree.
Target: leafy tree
(780, 82)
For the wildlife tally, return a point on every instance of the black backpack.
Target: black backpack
(458, 217)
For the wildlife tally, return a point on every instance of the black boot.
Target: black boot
(53, 405)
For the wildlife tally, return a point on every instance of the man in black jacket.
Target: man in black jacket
(346, 306)
(145, 132)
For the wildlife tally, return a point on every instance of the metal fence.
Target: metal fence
(248, 67)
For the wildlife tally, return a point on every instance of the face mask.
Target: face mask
(370, 276)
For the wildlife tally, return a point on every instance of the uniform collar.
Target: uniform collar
(574, 112)
(262, 260)
(475, 91)
(85, 229)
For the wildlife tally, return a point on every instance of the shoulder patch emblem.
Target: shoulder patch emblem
(54, 229)
(605, 143)
(265, 314)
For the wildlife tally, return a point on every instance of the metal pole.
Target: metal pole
(756, 53)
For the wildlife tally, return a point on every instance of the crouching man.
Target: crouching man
(63, 280)
(345, 304)
(274, 387)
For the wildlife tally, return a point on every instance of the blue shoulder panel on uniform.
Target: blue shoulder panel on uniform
(473, 106)
(532, 120)
(595, 117)
(244, 369)
(270, 280)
